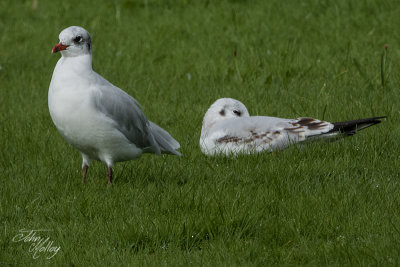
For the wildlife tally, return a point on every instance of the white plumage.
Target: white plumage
(103, 122)
(229, 129)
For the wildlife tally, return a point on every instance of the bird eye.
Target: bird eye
(77, 39)
(237, 112)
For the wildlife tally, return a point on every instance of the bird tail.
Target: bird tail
(166, 142)
(349, 128)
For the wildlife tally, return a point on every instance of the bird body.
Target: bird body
(72, 105)
(100, 120)
(229, 129)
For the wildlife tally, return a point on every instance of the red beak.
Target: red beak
(59, 47)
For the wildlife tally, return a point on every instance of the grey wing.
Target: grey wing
(255, 134)
(260, 133)
(166, 142)
(125, 111)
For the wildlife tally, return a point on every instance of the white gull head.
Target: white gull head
(222, 109)
(74, 41)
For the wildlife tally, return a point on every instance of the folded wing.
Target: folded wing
(129, 119)
(259, 133)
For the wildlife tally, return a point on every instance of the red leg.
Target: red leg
(109, 175)
(84, 172)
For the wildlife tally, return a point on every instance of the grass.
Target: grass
(320, 204)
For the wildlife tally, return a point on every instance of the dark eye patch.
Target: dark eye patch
(77, 39)
(222, 112)
(237, 112)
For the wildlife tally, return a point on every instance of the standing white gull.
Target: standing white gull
(229, 129)
(100, 120)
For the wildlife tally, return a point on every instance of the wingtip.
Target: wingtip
(354, 126)
(379, 118)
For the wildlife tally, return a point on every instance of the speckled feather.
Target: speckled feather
(229, 129)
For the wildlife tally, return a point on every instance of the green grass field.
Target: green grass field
(320, 204)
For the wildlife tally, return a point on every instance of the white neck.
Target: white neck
(208, 121)
(71, 71)
(78, 63)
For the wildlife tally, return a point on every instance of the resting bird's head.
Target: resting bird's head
(74, 41)
(222, 109)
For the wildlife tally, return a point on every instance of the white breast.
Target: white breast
(78, 121)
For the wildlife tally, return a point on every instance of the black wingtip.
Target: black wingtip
(353, 126)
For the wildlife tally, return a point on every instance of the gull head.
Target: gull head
(222, 109)
(74, 41)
